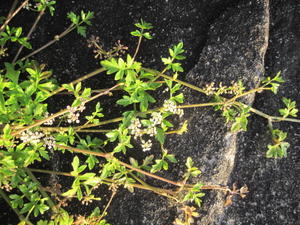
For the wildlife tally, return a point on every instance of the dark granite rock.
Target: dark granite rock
(234, 50)
(274, 184)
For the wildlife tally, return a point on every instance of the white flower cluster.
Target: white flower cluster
(235, 89)
(156, 118)
(37, 137)
(146, 145)
(138, 131)
(6, 187)
(170, 106)
(86, 201)
(49, 142)
(73, 115)
(27, 6)
(49, 122)
(210, 88)
(31, 137)
(135, 128)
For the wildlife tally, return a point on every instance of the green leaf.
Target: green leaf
(160, 135)
(144, 25)
(125, 101)
(70, 193)
(147, 35)
(74, 19)
(171, 158)
(178, 98)
(18, 32)
(75, 163)
(274, 87)
(166, 61)
(7, 132)
(81, 30)
(16, 201)
(23, 41)
(113, 135)
(189, 163)
(110, 65)
(91, 161)
(49, 86)
(277, 151)
(157, 166)
(134, 162)
(119, 75)
(41, 96)
(11, 73)
(290, 109)
(27, 207)
(136, 33)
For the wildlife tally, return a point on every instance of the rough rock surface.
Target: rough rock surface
(274, 184)
(225, 41)
(234, 49)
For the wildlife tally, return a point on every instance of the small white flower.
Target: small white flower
(151, 131)
(49, 142)
(49, 122)
(31, 137)
(135, 128)
(146, 145)
(73, 115)
(156, 118)
(170, 106)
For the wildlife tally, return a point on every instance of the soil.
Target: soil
(225, 41)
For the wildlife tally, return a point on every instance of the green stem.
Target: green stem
(12, 15)
(160, 191)
(176, 80)
(100, 70)
(246, 93)
(273, 118)
(20, 216)
(138, 46)
(106, 181)
(13, 7)
(110, 156)
(29, 34)
(55, 39)
(107, 205)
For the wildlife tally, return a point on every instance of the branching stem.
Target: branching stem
(138, 46)
(29, 33)
(12, 15)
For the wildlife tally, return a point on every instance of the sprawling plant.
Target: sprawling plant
(30, 134)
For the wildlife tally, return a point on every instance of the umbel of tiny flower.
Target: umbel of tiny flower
(49, 142)
(31, 137)
(156, 118)
(6, 187)
(37, 137)
(135, 128)
(170, 106)
(146, 145)
(236, 88)
(49, 122)
(74, 113)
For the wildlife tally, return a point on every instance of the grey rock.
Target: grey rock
(235, 50)
(274, 184)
